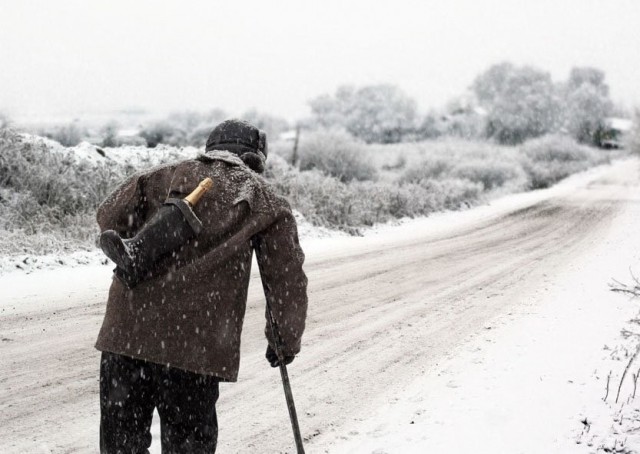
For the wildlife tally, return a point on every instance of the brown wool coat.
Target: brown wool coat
(191, 316)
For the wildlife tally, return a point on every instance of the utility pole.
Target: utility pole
(294, 157)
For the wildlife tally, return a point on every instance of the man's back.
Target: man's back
(190, 314)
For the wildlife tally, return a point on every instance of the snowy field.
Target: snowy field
(487, 331)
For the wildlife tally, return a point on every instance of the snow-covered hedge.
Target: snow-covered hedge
(549, 159)
(336, 153)
(49, 193)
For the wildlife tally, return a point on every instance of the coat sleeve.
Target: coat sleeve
(124, 209)
(280, 259)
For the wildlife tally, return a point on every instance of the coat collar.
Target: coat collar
(221, 155)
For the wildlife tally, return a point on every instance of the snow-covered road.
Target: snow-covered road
(389, 315)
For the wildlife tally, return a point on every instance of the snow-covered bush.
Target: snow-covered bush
(452, 193)
(327, 201)
(432, 167)
(47, 193)
(67, 135)
(335, 153)
(400, 163)
(53, 179)
(47, 189)
(549, 159)
(163, 132)
(491, 166)
(492, 174)
(441, 189)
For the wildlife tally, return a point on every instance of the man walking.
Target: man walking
(167, 342)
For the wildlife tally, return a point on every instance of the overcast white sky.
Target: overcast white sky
(68, 56)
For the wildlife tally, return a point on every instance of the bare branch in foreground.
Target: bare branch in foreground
(607, 393)
(626, 369)
(629, 289)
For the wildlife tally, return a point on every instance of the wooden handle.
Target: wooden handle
(198, 192)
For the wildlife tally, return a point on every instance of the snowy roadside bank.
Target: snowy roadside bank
(48, 205)
(28, 263)
(309, 233)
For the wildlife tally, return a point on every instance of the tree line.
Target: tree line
(505, 103)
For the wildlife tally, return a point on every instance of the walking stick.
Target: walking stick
(293, 415)
(285, 382)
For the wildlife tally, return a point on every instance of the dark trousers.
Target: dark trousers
(130, 389)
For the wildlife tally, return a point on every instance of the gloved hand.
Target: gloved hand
(273, 358)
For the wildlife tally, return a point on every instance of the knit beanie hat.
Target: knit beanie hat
(241, 138)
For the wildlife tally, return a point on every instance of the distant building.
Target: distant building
(614, 132)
